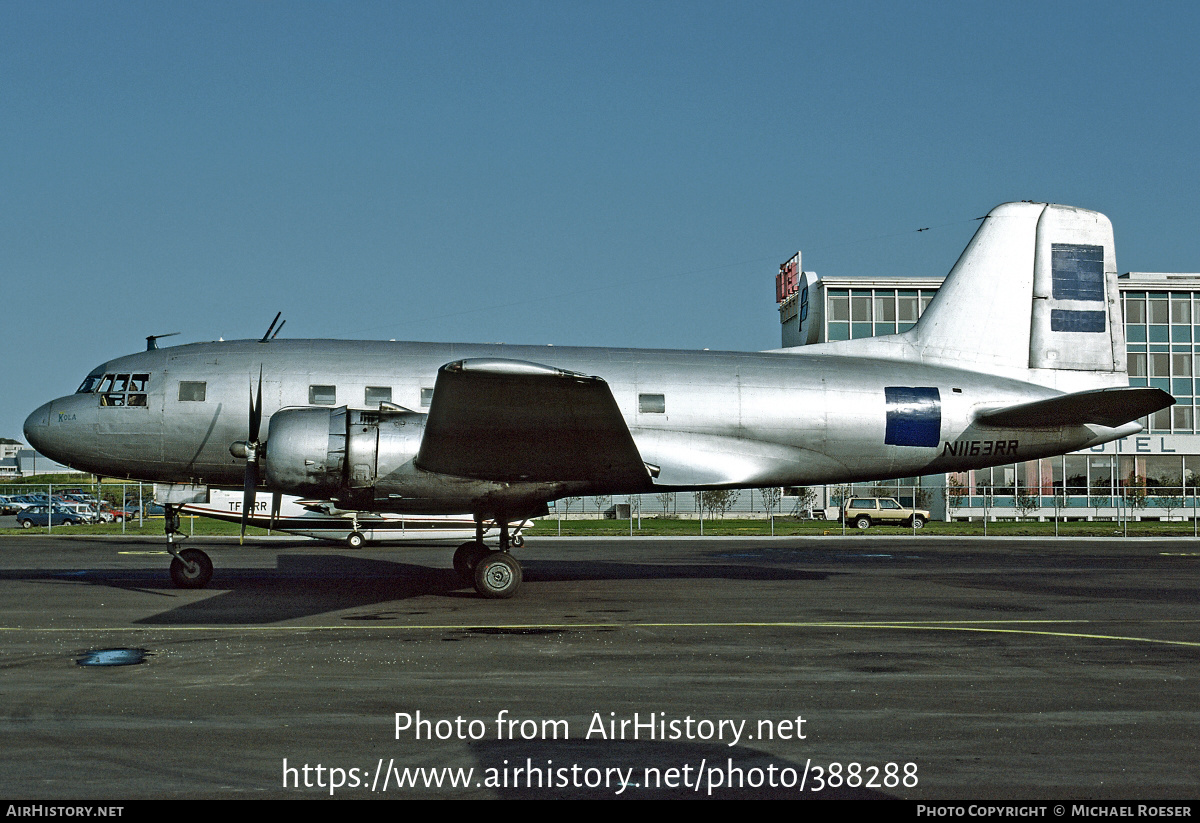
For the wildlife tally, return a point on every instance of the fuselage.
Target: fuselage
(701, 419)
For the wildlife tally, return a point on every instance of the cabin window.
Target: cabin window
(322, 395)
(378, 394)
(652, 403)
(426, 398)
(123, 389)
(191, 390)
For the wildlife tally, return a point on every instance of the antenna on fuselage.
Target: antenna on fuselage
(268, 335)
(152, 340)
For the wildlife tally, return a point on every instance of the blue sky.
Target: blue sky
(599, 173)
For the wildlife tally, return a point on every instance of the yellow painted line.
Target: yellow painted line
(981, 626)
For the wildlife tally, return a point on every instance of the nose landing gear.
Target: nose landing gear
(190, 568)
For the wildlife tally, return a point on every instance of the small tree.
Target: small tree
(665, 499)
(1026, 503)
(602, 502)
(806, 498)
(956, 491)
(1170, 496)
(921, 497)
(718, 501)
(839, 493)
(1134, 491)
(770, 498)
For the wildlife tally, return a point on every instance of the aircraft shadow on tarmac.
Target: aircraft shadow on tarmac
(303, 585)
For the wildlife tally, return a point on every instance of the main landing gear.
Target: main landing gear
(190, 568)
(495, 574)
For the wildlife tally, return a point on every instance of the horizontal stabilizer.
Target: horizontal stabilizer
(511, 420)
(1103, 407)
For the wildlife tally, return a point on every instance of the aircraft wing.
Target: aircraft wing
(1104, 407)
(510, 420)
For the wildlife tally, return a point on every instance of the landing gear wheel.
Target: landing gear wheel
(863, 523)
(918, 522)
(517, 541)
(466, 557)
(193, 571)
(498, 575)
(355, 540)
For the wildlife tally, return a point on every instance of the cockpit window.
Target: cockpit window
(121, 389)
(90, 383)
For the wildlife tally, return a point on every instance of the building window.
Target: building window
(860, 307)
(839, 305)
(322, 395)
(426, 398)
(1181, 309)
(192, 391)
(1182, 416)
(1160, 311)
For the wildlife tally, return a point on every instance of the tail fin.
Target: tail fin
(1035, 289)
(1034, 296)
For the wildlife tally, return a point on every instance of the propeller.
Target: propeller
(250, 449)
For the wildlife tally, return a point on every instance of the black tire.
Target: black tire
(497, 576)
(196, 577)
(466, 557)
(26, 524)
(355, 540)
(918, 522)
(863, 523)
(517, 541)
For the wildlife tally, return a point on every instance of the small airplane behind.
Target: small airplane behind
(1021, 355)
(323, 520)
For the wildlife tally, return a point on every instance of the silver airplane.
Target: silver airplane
(1020, 355)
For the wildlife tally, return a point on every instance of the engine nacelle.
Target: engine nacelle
(338, 453)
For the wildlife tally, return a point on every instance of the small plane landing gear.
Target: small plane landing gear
(498, 575)
(355, 540)
(191, 569)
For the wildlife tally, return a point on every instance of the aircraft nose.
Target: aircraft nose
(37, 425)
(53, 427)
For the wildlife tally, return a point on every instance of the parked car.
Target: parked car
(865, 512)
(85, 511)
(111, 514)
(39, 516)
(9, 506)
